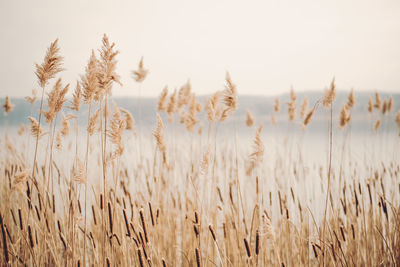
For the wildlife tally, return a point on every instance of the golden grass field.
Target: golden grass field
(108, 194)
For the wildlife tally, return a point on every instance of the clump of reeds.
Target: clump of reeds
(40, 226)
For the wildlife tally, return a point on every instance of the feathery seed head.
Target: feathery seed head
(50, 66)
(329, 95)
(162, 102)
(140, 74)
(249, 119)
(8, 107)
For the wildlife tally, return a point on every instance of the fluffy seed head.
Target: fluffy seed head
(249, 119)
(92, 125)
(79, 172)
(50, 66)
(162, 102)
(171, 109)
(277, 105)
(36, 131)
(129, 120)
(76, 97)
(8, 107)
(90, 81)
(230, 97)
(21, 129)
(258, 151)
(115, 132)
(107, 66)
(329, 95)
(212, 107)
(377, 124)
(390, 104)
(378, 101)
(140, 74)
(159, 136)
(370, 104)
(304, 108)
(384, 107)
(398, 119)
(350, 100)
(307, 120)
(345, 117)
(32, 99)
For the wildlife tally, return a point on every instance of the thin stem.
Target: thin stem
(104, 174)
(37, 136)
(329, 184)
(86, 174)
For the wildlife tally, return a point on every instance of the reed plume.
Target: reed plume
(329, 95)
(89, 81)
(273, 120)
(258, 151)
(36, 130)
(92, 125)
(307, 120)
(377, 125)
(140, 74)
(184, 94)
(344, 117)
(390, 104)
(212, 107)
(56, 100)
(397, 119)
(384, 107)
(159, 136)
(129, 120)
(107, 69)
(162, 102)
(171, 109)
(351, 100)
(205, 161)
(304, 108)
(117, 126)
(32, 99)
(8, 107)
(370, 105)
(249, 119)
(50, 66)
(65, 124)
(292, 105)
(21, 129)
(190, 119)
(277, 105)
(230, 98)
(378, 101)
(76, 97)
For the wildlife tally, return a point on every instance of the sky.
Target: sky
(267, 46)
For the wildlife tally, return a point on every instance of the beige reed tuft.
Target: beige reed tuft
(8, 107)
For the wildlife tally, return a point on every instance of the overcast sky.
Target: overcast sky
(267, 46)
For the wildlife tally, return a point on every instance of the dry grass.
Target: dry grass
(189, 203)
